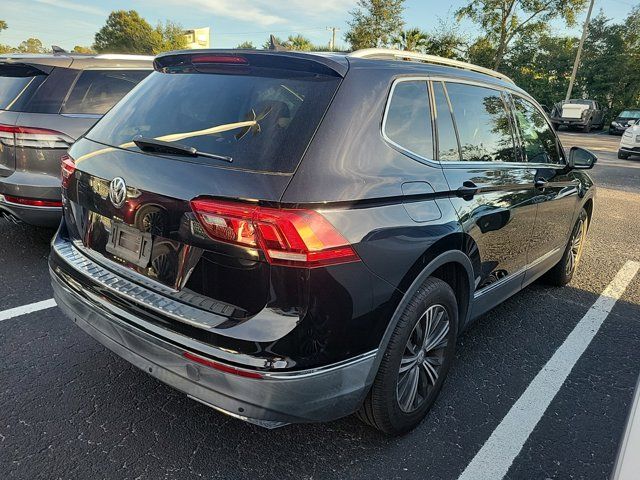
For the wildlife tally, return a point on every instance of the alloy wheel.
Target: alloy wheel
(422, 358)
(576, 247)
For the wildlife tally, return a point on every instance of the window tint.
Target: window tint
(17, 83)
(483, 123)
(408, 121)
(447, 139)
(538, 140)
(96, 91)
(262, 118)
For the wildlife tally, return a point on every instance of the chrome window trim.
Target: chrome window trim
(418, 78)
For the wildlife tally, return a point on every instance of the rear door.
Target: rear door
(493, 190)
(556, 190)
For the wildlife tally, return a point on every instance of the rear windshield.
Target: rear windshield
(96, 91)
(262, 119)
(16, 83)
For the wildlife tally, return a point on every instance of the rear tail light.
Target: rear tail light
(67, 167)
(291, 237)
(32, 202)
(13, 135)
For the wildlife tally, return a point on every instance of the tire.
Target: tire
(622, 155)
(391, 405)
(586, 128)
(563, 271)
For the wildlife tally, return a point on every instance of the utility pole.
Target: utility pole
(332, 44)
(585, 31)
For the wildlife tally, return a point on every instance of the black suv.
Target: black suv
(291, 237)
(46, 102)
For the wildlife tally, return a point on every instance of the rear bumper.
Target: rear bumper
(32, 185)
(570, 122)
(316, 395)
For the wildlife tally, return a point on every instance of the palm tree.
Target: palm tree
(413, 39)
(299, 42)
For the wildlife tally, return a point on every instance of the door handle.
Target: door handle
(468, 190)
(540, 183)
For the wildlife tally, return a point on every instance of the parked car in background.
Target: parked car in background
(625, 119)
(577, 113)
(630, 142)
(293, 237)
(46, 103)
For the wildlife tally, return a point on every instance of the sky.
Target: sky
(74, 22)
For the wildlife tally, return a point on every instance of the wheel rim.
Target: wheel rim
(576, 247)
(422, 358)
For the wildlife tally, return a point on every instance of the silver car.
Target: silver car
(46, 103)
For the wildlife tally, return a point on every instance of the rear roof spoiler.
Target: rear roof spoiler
(334, 65)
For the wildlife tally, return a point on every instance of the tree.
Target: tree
(127, 32)
(375, 23)
(3, 25)
(246, 46)
(504, 20)
(171, 37)
(414, 40)
(446, 42)
(31, 45)
(81, 49)
(299, 42)
(267, 45)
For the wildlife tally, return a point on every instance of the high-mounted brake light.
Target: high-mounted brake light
(18, 136)
(225, 59)
(32, 202)
(220, 366)
(290, 237)
(67, 167)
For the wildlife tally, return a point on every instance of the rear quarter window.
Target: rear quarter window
(96, 91)
(17, 84)
(408, 119)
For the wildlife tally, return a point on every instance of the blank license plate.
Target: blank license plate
(130, 244)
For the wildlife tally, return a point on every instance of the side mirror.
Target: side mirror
(581, 159)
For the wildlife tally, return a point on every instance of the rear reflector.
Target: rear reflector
(18, 136)
(32, 202)
(67, 167)
(220, 366)
(290, 237)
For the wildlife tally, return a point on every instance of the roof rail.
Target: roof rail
(391, 54)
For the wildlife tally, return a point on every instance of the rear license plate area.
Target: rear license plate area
(129, 244)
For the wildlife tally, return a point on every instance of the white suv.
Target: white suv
(630, 142)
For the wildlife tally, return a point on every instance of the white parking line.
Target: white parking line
(24, 309)
(497, 454)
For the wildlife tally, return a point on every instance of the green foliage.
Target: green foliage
(375, 23)
(246, 46)
(445, 41)
(267, 44)
(299, 42)
(171, 37)
(414, 40)
(31, 45)
(505, 20)
(128, 32)
(3, 25)
(81, 49)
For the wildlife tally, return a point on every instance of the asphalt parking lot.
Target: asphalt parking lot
(71, 409)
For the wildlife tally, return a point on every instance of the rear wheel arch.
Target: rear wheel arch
(453, 267)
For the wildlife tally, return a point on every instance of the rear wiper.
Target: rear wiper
(154, 145)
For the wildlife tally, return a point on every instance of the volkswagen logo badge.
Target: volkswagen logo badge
(118, 192)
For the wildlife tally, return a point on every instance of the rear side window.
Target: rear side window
(260, 117)
(17, 84)
(447, 140)
(408, 120)
(96, 91)
(483, 122)
(538, 140)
